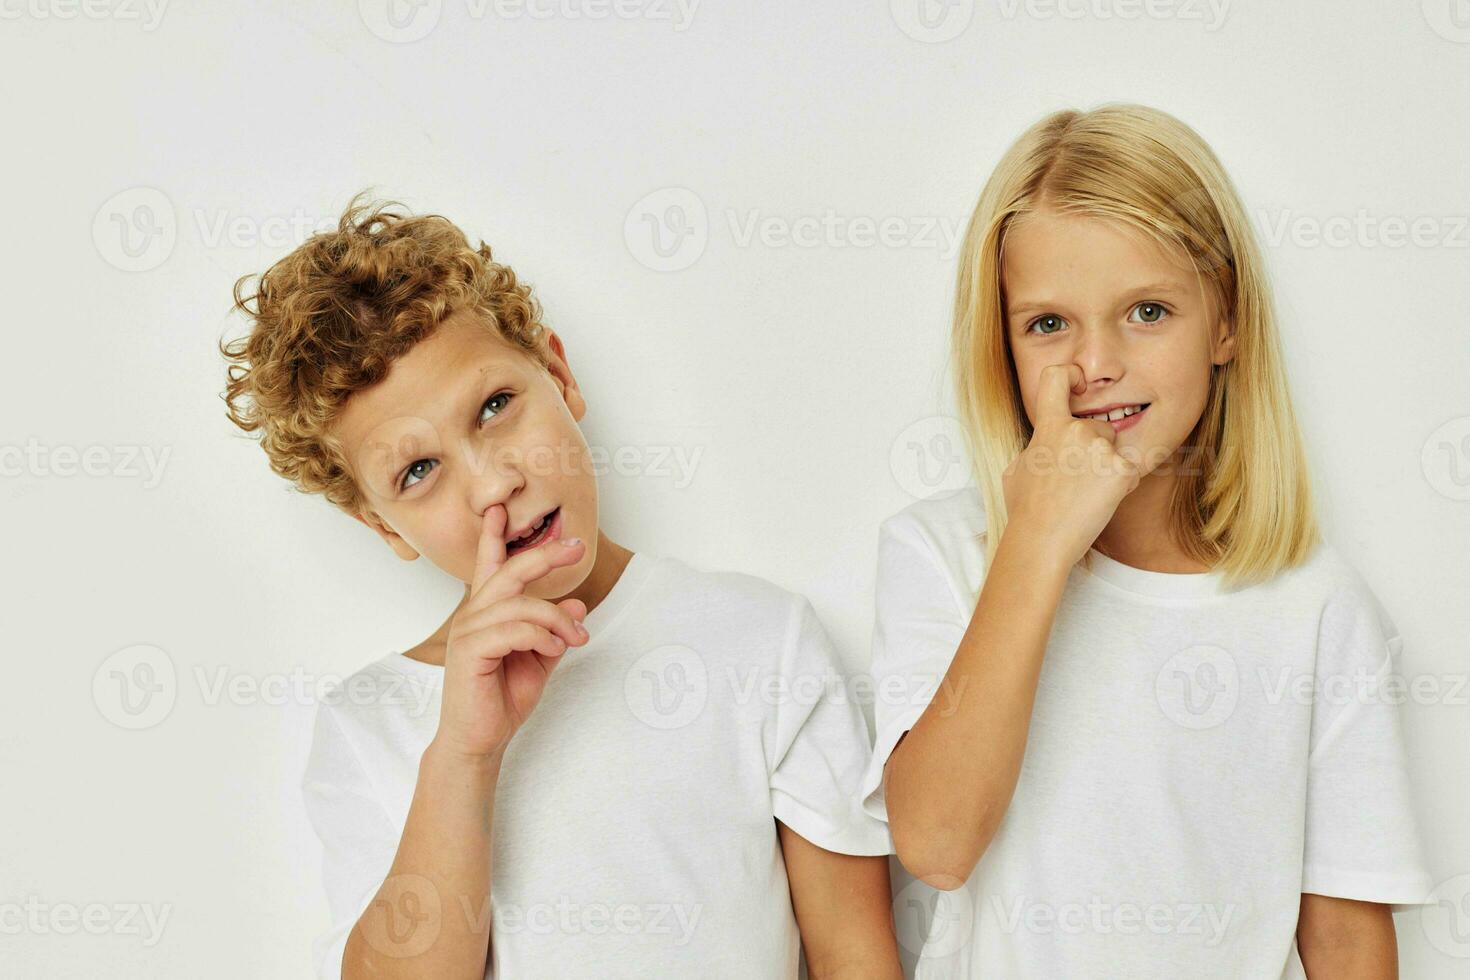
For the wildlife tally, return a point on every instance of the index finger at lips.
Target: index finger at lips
(525, 567)
(490, 551)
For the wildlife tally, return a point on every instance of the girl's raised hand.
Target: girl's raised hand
(1066, 484)
(503, 644)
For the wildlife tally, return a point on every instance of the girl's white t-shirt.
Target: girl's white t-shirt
(634, 822)
(1197, 759)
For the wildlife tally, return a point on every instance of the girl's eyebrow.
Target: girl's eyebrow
(1149, 289)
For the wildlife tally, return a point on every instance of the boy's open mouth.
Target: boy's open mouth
(542, 531)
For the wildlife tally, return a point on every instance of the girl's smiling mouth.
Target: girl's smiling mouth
(1120, 417)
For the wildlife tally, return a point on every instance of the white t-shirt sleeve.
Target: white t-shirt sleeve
(820, 745)
(358, 840)
(917, 627)
(1361, 838)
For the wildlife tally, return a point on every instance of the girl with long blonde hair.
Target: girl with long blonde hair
(1130, 713)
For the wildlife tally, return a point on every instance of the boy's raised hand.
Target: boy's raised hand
(1067, 483)
(503, 644)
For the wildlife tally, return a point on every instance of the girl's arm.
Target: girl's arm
(1343, 939)
(843, 909)
(950, 779)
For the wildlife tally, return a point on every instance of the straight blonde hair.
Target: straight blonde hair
(1246, 508)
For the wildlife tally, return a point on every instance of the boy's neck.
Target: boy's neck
(607, 568)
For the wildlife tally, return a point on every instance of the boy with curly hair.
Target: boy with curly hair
(680, 799)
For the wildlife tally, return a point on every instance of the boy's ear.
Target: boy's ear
(561, 373)
(400, 547)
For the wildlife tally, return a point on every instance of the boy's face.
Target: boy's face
(1135, 318)
(462, 422)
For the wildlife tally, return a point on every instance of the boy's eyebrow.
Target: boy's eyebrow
(470, 393)
(1151, 288)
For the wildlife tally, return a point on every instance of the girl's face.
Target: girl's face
(1134, 317)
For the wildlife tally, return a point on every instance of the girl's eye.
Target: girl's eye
(500, 398)
(1151, 312)
(1048, 320)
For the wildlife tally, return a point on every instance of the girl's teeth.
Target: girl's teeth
(1116, 414)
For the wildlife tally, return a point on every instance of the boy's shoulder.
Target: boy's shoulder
(391, 689)
(724, 589)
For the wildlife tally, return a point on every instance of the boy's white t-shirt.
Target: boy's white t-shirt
(634, 822)
(1181, 786)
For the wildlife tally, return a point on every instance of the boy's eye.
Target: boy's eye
(421, 468)
(1151, 312)
(404, 484)
(1049, 320)
(501, 397)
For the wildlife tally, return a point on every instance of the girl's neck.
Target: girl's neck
(1139, 533)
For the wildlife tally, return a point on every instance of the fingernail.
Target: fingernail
(571, 542)
(580, 628)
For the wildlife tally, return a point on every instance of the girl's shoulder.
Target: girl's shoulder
(954, 517)
(939, 539)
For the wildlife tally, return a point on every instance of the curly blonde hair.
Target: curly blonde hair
(330, 318)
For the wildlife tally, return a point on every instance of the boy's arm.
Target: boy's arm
(844, 911)
(431, 917)
(1344, 939)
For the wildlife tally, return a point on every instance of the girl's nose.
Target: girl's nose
(1098, 352)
